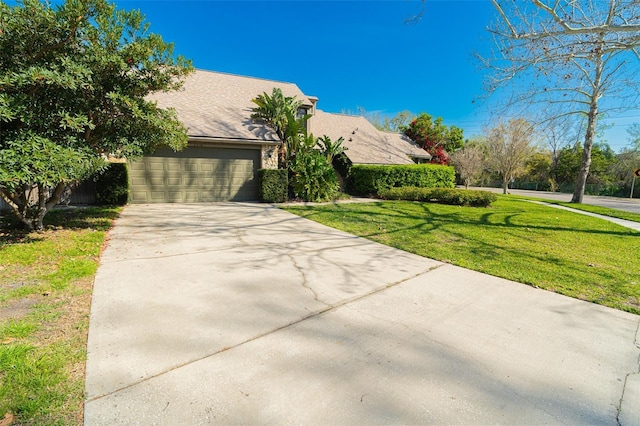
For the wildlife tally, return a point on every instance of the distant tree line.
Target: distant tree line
(518, 155)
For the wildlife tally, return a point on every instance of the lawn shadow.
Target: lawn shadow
(13, 231)
(98, 218)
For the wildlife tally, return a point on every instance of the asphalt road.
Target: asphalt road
(626, 204)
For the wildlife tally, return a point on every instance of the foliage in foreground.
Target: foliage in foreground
(565, 252)
(456, 197)
(74, 77)
(278, 112)
(45, 294)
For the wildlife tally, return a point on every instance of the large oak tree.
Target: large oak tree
(74, 80)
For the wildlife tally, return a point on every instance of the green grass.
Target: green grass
(572, 254)
(605, 211)
(45, 293)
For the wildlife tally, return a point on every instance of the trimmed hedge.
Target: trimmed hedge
(369, 179)
(456, 197)
(112, 185)
(273, 185)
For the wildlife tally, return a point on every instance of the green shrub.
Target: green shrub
(112, 185)
(312, 177)
(273, 185)
(342, 165)
(370, 179)
(456, 197)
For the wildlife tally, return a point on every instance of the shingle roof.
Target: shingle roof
(365, 144)
(218, 105)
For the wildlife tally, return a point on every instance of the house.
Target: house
(226, 147)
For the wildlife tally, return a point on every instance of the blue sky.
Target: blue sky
(349, 54)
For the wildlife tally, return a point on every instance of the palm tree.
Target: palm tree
(278, 112)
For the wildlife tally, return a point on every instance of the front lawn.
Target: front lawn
(45, 293)
(569, 253)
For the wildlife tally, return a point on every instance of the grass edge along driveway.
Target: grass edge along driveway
(46, 281)
(565, 252)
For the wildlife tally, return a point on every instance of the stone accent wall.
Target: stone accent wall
(269, 161)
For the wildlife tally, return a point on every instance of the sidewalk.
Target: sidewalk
(626, 223)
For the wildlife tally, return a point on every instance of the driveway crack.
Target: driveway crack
(628, 378)
(305, 281)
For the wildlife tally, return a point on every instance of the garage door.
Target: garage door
(195, 174)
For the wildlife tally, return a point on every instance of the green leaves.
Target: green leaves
(435, 137)
(329, 148)
(30, 159)
(370, 179)
(276, 111)
(73, 84)
(453, 196)
(312, 177)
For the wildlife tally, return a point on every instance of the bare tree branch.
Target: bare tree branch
(576, 55)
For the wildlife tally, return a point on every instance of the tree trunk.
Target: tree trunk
(505, 185)
(583, 173)
(45, 205)
(32, 215)
(592, 118)
(282, 156)
(16, 207)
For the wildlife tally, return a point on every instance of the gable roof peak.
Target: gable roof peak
(243, 76)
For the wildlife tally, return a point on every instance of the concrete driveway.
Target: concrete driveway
(245, 314)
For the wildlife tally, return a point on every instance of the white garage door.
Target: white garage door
(195, 174)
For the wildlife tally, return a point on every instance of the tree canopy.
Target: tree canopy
(434, 137)
(73, 84)
(397, 124)
(468, 162)
(509, 146)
